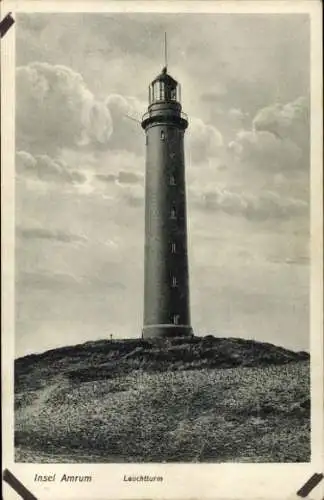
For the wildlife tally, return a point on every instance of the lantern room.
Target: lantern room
(164, 89)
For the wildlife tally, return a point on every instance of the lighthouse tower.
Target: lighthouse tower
(166, 281)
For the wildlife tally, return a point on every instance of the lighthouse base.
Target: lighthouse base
(166, 331)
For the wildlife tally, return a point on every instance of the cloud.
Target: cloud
(236, 114)
(126, 113)
(279, 139)
(122, 177)
(129, 178)
(264, 150)
(106, 178)
(46, 169)
(118, 105)
(264, 206)
(113, 175)
(55, 109)
(123, 189)
(288, 121)
(237, 119)
(126, 188)
(31, 233)
(203, 140)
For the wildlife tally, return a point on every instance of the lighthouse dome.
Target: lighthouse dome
(165, 77)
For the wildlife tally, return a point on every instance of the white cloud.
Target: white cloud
(203, 140)
(265, 205)
(288, 121)
(127, 132)
(265, 150)
(237, 114)
(41, 233)
(279, 139)
(46, 169)
(55, 109)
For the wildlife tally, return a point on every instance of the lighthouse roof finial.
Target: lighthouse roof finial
(164, 75)
(165, 53)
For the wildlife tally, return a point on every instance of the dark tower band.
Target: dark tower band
(166, 283)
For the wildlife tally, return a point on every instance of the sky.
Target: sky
(80, 173)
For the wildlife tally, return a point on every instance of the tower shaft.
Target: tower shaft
(166, 281)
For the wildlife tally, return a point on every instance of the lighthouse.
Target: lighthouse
(166, 274)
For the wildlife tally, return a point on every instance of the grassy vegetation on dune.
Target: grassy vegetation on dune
(257, 414)
(105, 359)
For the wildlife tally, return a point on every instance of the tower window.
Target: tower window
(173, 248)
(174, 282)
(156, 91)
(176, 319)
(172, 180)
(161, 91)
(162, 135)
(146, 140)
(173, 214)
